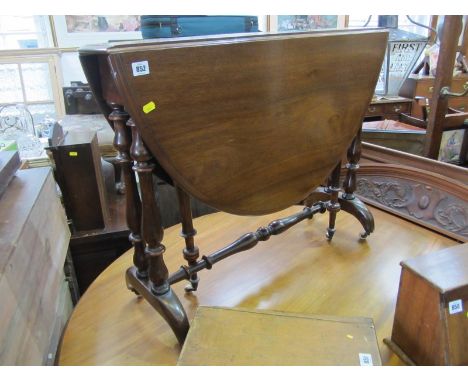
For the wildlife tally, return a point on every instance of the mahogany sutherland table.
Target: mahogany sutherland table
(297, 272)
(248, 124)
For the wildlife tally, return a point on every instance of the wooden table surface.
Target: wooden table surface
(298, 271)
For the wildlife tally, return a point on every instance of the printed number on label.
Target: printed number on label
(455, 306)
(365, 359)
(140, 68)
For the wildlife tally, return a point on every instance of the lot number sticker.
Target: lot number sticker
(365, 359)
(140, 68)
(455, 306)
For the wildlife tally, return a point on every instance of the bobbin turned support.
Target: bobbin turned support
(347, 199)
(191, 252)
(155, 287)
(122, 142)
(333, 207)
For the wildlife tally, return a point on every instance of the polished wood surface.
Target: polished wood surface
(250, 125)
(297, 272)
(445, 270)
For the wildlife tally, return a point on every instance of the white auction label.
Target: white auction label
(365, 359)
(140, 68)
(455, 306)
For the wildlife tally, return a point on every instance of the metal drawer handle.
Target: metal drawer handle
(445, 92)
(372, 109)
(396, 108)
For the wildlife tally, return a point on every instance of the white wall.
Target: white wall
(71, 68)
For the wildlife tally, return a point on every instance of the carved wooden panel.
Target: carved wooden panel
(426, 198)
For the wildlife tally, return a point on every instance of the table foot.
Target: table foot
(330, 233)
(360, 211)
(193, 286)
(352, 206)
(167, 305)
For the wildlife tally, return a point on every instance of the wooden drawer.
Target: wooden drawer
(396, 108)
(375, 109)
(423, 87)
(459, 103)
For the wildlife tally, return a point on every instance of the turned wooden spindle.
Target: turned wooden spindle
(122, 143)
(133, 210)
(354, 155)
(191, 252)
(151, 227)
(333, 206)
(247, 241)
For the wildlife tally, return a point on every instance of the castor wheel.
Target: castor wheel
(192, 287)
(330, 233)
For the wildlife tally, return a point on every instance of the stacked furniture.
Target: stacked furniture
(34, 293)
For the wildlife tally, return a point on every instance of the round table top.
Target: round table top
(298, 271)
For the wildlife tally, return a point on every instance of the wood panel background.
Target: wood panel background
(34, 300)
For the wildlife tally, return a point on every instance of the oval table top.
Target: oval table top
(298, 271)
(253, 124)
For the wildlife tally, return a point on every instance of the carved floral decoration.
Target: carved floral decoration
(420, 201)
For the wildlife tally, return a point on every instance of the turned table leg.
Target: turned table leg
(191, 252)
(354, 155)
(156, 289)
(333, 206)
(122, 143)
(347, 200)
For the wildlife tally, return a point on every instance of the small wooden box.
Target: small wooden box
(431, 318)
(79, 175)
(220, 336)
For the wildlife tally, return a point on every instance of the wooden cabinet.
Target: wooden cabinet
(416, 86)
(387, 109)
(35, 301)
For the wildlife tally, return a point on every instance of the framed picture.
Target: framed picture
(451, 145)
(74, 31)
(298, 23)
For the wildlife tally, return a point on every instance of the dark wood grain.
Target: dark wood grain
(251, 125)
(79, 174)
(151, 228)
(191, 251)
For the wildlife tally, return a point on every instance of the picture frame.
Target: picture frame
(284, 23)
(67, 38)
